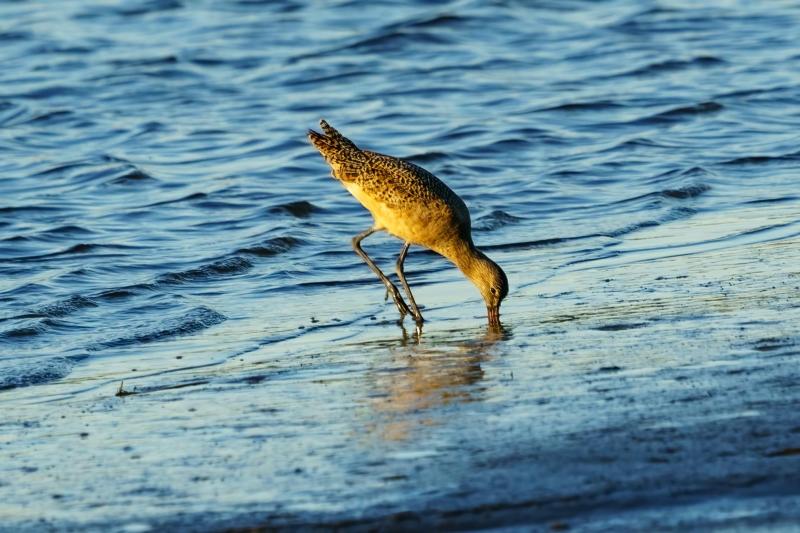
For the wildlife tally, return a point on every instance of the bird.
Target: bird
(418, 208)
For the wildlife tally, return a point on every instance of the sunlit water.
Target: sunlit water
(164, 221)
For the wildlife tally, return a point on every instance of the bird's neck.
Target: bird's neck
(466, 257)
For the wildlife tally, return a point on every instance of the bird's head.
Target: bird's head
(491, 282)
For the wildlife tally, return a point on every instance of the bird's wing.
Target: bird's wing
(406, 181)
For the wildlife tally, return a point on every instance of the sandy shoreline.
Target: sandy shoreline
(670, 402)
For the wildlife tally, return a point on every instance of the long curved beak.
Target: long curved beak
(494, 315)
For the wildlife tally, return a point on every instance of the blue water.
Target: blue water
(162, 213)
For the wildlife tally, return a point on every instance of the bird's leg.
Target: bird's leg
(398, 299)
(415, 310)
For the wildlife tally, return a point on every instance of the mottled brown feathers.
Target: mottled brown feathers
(390, 180)
(411, 203)
(344, 157)
(340, 139)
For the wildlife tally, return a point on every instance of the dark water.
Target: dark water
(164, 221)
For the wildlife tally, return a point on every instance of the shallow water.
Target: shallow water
(634, 166)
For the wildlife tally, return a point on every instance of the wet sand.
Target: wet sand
(655, 392)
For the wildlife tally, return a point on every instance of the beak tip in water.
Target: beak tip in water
(494, 315)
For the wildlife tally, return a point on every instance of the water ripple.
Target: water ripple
(196, 320)
(159, 199)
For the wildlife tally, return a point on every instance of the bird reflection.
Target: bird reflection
(425, 375)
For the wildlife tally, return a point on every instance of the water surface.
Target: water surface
(634, 166)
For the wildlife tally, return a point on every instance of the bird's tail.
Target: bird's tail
(334, 134)
(332, 142)
(341, 153)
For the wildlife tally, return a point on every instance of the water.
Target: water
(164, 222)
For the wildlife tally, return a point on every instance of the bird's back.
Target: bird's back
(405, 199)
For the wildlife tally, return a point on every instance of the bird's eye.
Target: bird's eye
(494, 291)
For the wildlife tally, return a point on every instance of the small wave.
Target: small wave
(504, 145)
(437, 21)
(21, 333)
(462, 132)
(299, 209)
(638, 142)
(673, 174)
(130, 176)
(271, 247)
(283, 7)
(621, 327)
(534, 133)
(17, 238)
(16, 373)
(677, 213)
(118, 294)
(8, 36)
(761, 234)
(696, 171)
(105, 169)
(193, 196)
(679, 193)
(76, 249)
(253, 379)
(217, 269)
(58, 309)
(584, 106)
(754, 92)
(773, 343)
(34, 329)
(774, 200)
(763, 159)
(220, 204)
(144, 62)
(53, 91)
(28, 209)
(704, 107)
(246, 62)
(682, 112)
(427, 157)
(149, 6)
(672, 65)
(58, 169)
(69, 229)
(386, 41)
(66, 307)
(175, 74)
(539, 243)
(440, 20)
(394, 40)
(52, 117)
(495, 219)
(101, 172)
(435, 91)
(689, 191)
(10, 112)
(196, 320)
(630, 228)
(304, 79)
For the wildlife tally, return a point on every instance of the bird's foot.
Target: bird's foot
(418, 321)
(398, 301)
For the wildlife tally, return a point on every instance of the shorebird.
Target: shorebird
(415, 206)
